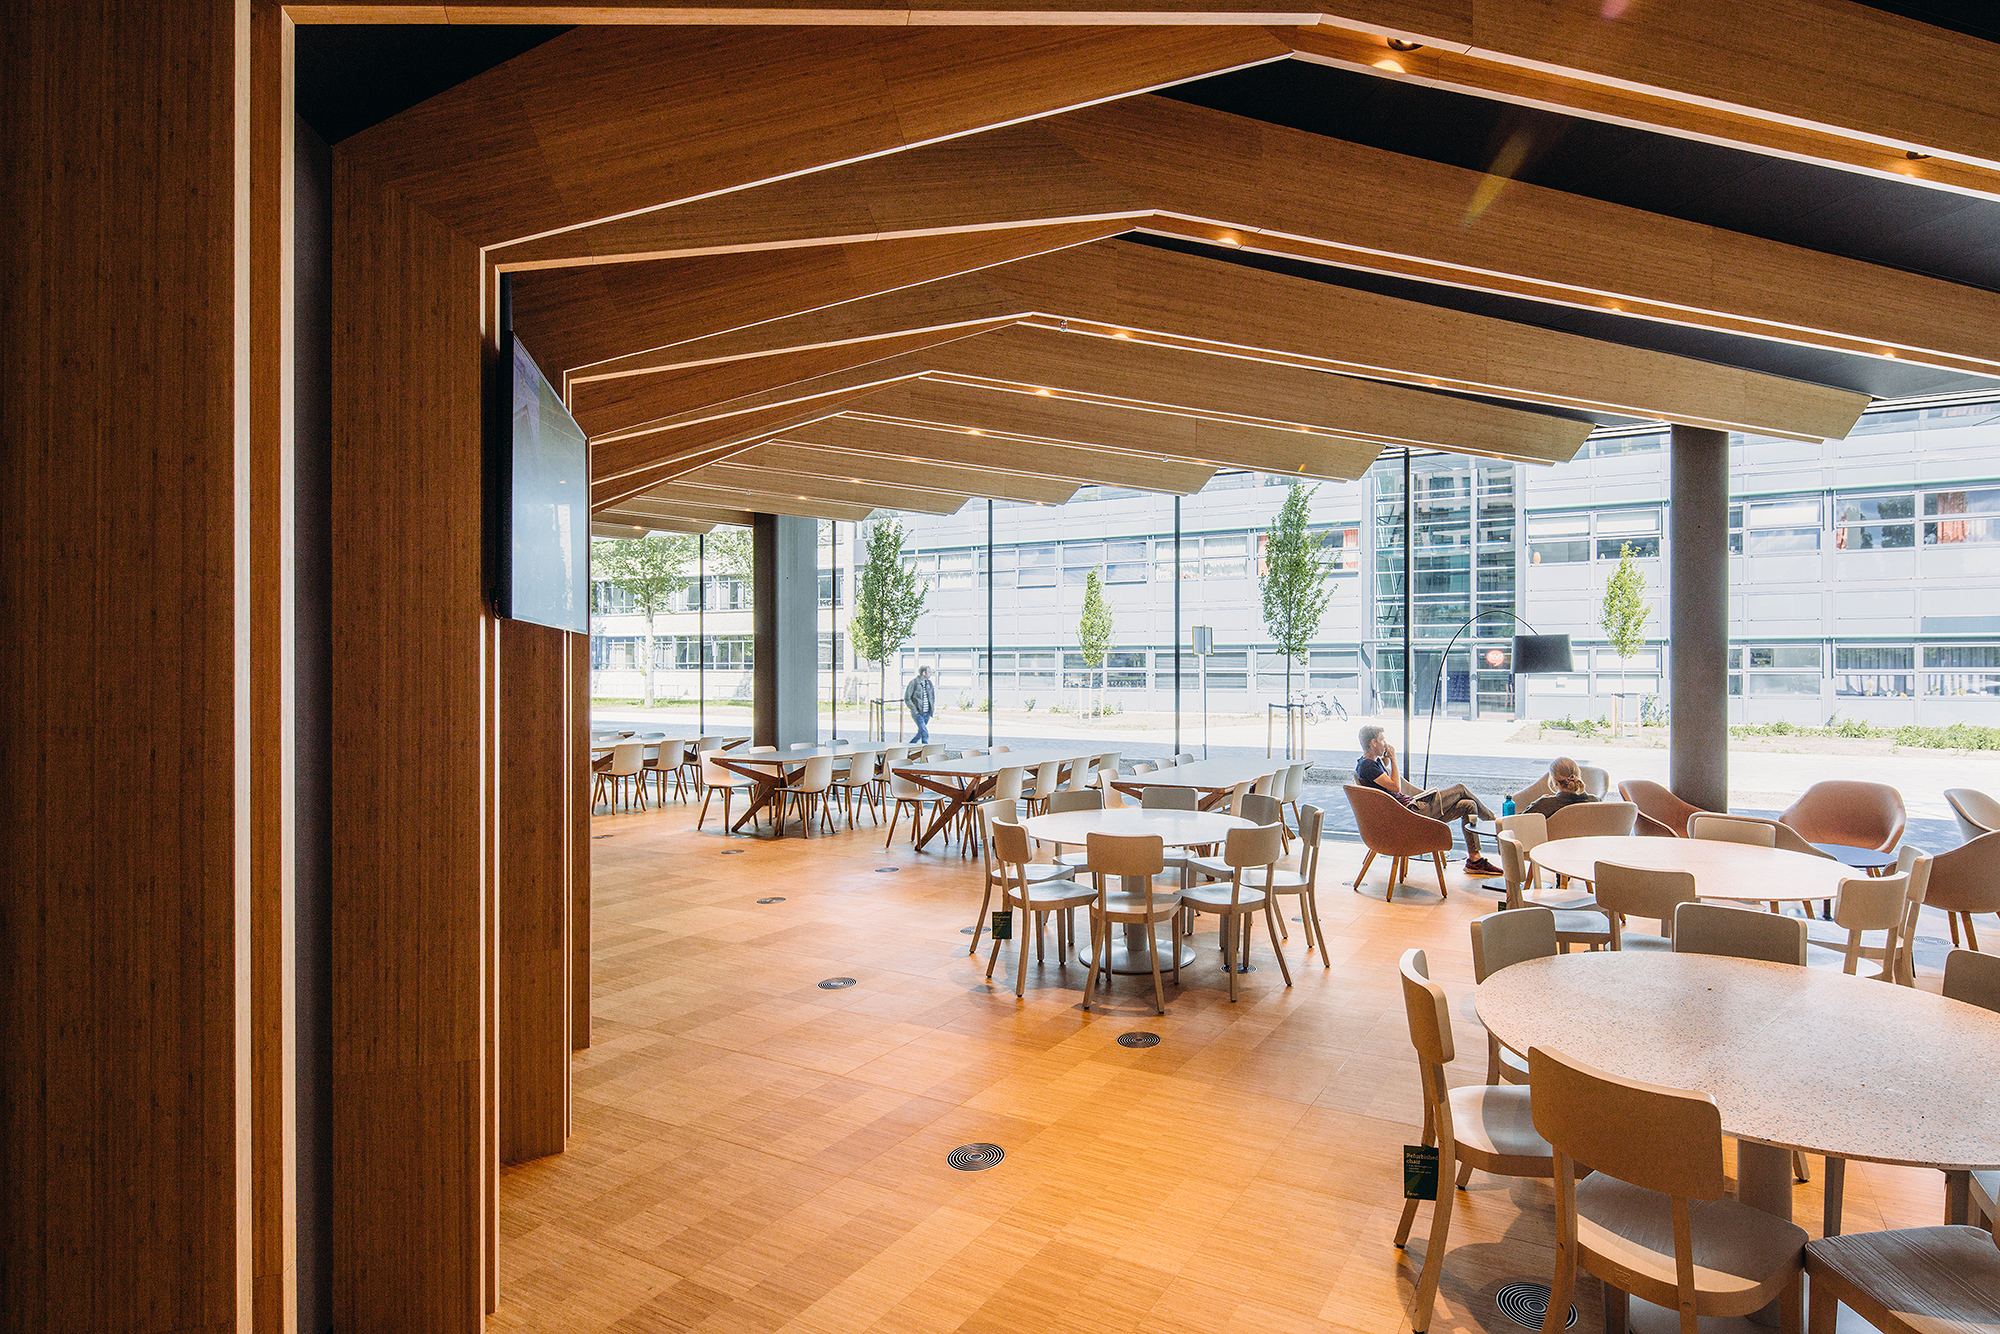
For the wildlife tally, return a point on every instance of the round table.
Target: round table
(1864, 859)
(1796, 1058)
(1176, 829)
(1721, 870)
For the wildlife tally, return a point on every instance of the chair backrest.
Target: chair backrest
(1850, 813)
(1500, 939)
(1185, 757)
(1534, 792)
(1168, 799)
(988, 814)
(1974, 978)
(1732, 829)
(1514, 868)
(1089, 799)
(1138, 855)
(1739, 933)
(1106, 777)
(1106, 760)
(1668, 1140)
(1429, 1014)
(1915, 863)
(1007, 783)
(972, 754)
(1595, 819)
(1260, 810)
(1871, 903)
(1295, 782)
(1658, 804)
(1143, 767)
(709, 743)
(1243, 849)
(1312, 820)
(1967, 879)
(652, 754)
(673, 754)
(931, 752)
(1640, 892)
(1236, 795)
(1788, 839)
(1390, 828)
(1081, 774)
(1000, 750)
(900, 786)
(1529, 829)
(893, 756)
(803, 745)
(818, 775)
(1977, 813)
(1046, 776)
(714, 775)
(1010, 850)
(627, 758)
(1265, 785)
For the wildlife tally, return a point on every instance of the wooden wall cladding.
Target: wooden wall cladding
(409, 925)
(534, 846)
(579, 862)
(124, 851)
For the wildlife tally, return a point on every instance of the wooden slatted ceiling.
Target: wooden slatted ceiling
(1180, 169)
(792, 460)
(1863, 75)
(747, 477)
(598, 528)
(921, 444)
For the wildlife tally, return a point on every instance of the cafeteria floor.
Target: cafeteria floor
(752, 1152)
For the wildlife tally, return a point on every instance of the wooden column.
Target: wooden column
(536, 836)
(124, 348)
(412, 646)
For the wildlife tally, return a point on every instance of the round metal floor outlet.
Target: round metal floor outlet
(836, 984)
(975, 1157)
(887, 870)
(780, 899)
(966, 930)
(734, 852)
(1138, 1039)
(1527, 1303)
(600, 835)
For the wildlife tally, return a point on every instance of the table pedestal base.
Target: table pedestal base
(1128, 950)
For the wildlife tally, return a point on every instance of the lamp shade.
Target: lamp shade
(1542, 653)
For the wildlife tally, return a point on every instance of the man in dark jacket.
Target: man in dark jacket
(921, 700)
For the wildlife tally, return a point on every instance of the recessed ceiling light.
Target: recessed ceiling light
(970, 430)
(1914, 156)
(1121, 334)
(1398, 44)
(1043, 393)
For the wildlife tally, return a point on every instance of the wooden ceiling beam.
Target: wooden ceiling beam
(942, 445)
(672, 496)
(639, 511)
(751, 480)
(1181, 169)
(807, 461)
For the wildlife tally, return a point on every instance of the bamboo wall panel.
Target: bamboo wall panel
(537, 753)
(124, 335)
(411, 937)
(578, 689)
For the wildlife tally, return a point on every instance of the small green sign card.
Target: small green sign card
(1420, 1172)
(1003, 925)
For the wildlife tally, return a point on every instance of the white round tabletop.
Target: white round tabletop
(1176, 829)
(1721, 870)
(1799, 1058)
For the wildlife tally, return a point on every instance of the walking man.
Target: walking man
(1377, 768)
(921, 700)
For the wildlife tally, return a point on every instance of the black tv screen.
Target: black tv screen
(544, 504)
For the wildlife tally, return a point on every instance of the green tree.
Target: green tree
(727, 551)
(1294, 579)
(1093, 630)
(1624, 616)
(652, 570)
(888, 599)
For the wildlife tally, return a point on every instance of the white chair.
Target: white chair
(1866, 904)
(669, 761)
(1573, 926)
(1107, 780)
(1089, 799)
(1500, 940)
(627, 767)
(803, 745)
(714, 779)
(906, 793)
(859, 780)
(809, 792)
(1185, 757)
(1293, 790)
(891, 757)
(1734, 829)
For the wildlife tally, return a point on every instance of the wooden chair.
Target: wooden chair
(1294, 790)
(1964, 881)
(1869, 904)
(714, 779)
(627, 770)
(1652, 1221)
(1007, 810)
(1974, 978)
(1486, 1126)
(1251, 854)
(1915, 863)
(1733, 829)
(1130, 859)
(1636, 891)
(1168, 799)
(1920, 1280)
(1595, 819)
(1848, 813)
(1573, 926)
(1500, 940)
(1739, 933)
(1530, 831)
(859, 780)
(1089, 799)
(1301, 881)
(1035, 894)
(1977, 813)
(1391, 829)
(1660, 811)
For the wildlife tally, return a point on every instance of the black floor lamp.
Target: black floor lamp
(1534, 655)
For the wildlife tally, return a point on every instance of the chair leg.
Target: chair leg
(704, 810)
(994, 958)
(1971, 936)
(1366, 862)
(1437, 859)
(1427, 1282)
(1153, 955)
(1836, 1188)
(1309, 901)
(1229, 962)
(892, 826)
(1021, 965)
(979, 922)
(1617, 1310)
(1098, 932)
(1271, 924)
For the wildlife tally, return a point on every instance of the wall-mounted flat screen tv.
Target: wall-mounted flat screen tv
(544, 504)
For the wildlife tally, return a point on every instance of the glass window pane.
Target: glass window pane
(1559, 525)
(1784, 513)
(1875, 537)
(1780, 541)
(1037, 557)
(1783, 683)
(1614, 548)
(1985, 501)
(1793, 655)
(1872, 509)
(1232, 545)
(1953, 531)
(1557, 553)
(1125, 574)
(1628, 521)
(1117, 551)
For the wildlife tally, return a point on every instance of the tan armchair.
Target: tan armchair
(1977, 813)
(1391, 829)
(1964, 881)
(1852, 814)
(1660, 811)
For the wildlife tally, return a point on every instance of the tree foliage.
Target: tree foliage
(1094, 628)
(888, 599)
(1625, 612)
(651, 570)
(1294, 580)
(727, 551)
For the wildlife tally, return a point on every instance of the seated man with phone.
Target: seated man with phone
(1377, 768)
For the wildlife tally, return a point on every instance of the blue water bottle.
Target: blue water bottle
(1506, 807)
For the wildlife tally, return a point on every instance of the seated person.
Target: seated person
(1567, 780)
(1377, 768)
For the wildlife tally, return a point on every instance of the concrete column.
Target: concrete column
(1698, 617)
(784, 576)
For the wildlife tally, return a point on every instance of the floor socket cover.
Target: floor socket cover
(1527, 1303)
(975, 1157)
(836, 983)
(1138, 1039)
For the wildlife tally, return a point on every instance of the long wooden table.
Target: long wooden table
(1213, 779)
(767, 767)
(965, 782)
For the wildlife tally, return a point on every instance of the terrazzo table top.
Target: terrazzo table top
(1721, 870)
(1176, 829)
(1800, 1058)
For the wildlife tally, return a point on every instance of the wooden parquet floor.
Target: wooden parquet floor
(752, 1153)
